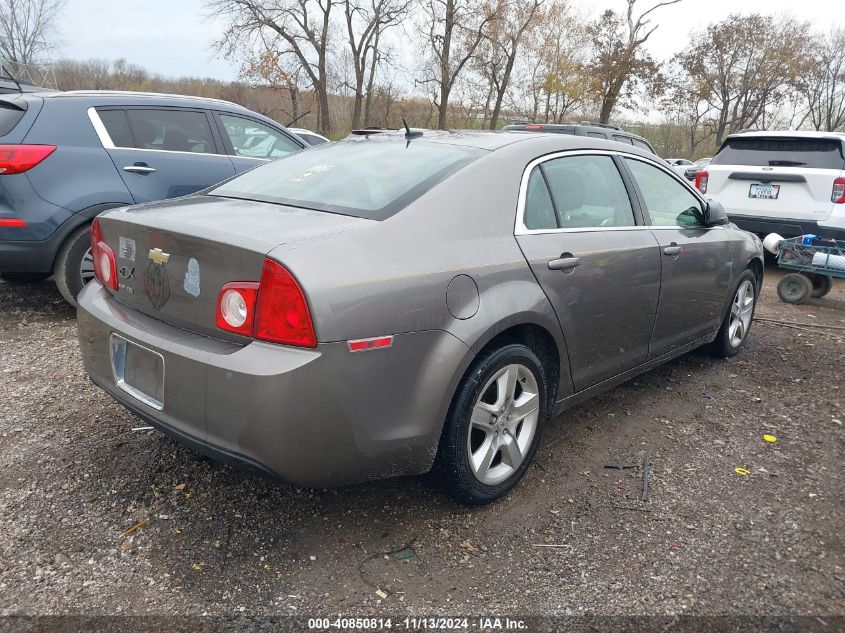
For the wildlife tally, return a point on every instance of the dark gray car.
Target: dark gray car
(67, 156)
(388, 305)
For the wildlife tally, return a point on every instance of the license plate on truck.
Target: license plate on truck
(138, 371)
(764, 192)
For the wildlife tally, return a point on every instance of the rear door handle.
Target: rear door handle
(674, 250)
(564, 263)
(139, 168)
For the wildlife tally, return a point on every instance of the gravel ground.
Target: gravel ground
(75, 478)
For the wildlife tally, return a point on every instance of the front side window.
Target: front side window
(255, 140)
(669, 203)
(588, 191)
(367, 179)
(170, 130)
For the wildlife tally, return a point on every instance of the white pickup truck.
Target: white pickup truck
(791, 183)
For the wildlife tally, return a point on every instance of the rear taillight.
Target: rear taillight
(838, 194)
(701, 179)
(273, 310)
(236, 307)
(105, 264)
(16, 159)
(12, 223)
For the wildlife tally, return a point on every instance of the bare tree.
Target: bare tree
(504, 39)
(27, 30)
(746, 66)
(366, 21)
(821, 83)
(453, 30)
(277, 71)
(619, 58)
(301, 27)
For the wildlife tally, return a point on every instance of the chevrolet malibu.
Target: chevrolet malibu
(400, 303)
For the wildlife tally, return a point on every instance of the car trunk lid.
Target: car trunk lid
(174, 257)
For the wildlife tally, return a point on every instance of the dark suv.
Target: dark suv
(593, 130)
(67, 156)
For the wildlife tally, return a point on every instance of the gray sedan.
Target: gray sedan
(396, 303)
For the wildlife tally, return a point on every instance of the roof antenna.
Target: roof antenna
(12, 77)
(409, 134)
(297, 118)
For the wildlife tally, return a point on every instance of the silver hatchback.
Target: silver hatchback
(399, 303)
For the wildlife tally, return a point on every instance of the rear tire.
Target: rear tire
(737, 322)
(24, 278)
(794, 288)
(821, 284)
(68, 271)
(494, 425)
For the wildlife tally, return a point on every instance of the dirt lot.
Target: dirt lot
(74, 477)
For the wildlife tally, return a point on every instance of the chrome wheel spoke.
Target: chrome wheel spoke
(742, 310)
(484, 456)
(86, 267)
(482, 418)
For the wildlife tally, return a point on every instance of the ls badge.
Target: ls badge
(156, 281)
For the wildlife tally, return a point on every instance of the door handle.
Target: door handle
(565, 263)
(139, 168)
(673, 249)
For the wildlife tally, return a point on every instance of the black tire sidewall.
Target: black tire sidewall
(66, 271)
(453, 460)
(822, 284)
(797, 278)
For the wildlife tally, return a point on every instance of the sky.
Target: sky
(174, 37)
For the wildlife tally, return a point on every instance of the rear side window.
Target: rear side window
(117, 126)
(622, 139)
(588, 191)
(539, 209)
(642, 145)
(367, 179)
(10, 116)
(254, 140)
(782, 152)
(171, 130)
(597, 135)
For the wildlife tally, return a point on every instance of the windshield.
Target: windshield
(782, 152)
(366, 179)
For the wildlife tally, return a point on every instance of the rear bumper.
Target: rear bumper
(321, 417)
(786, 227)
(27, 257)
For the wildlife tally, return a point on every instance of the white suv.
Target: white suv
(790, 183)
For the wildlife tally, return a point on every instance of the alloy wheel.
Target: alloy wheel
(503, 424)
(86, 267)
(742, 310)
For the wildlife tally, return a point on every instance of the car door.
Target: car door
(252, 143)
(696, 260)
(598, 265)
(163, 152)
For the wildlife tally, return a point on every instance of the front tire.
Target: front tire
(74, 266)
(737, 323)
(494, 424)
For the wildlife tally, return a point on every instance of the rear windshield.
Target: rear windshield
(782, 152)
(10, 115)
(366, 179)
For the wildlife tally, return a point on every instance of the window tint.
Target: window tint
(622, 139)
(9, 117)
(781, 152)
(312, 139)
(641, 145)
(117, 126)
(669, 203)
(539, 210)
(588, 192)
(255, 140)
(597, 135)
(368, 179)
(171, 130)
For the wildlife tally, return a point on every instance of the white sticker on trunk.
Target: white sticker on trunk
(126, 249)
(192, 278)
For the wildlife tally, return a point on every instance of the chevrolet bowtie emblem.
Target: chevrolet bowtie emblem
(158, 256)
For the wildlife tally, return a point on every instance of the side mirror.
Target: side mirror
(714, 214)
